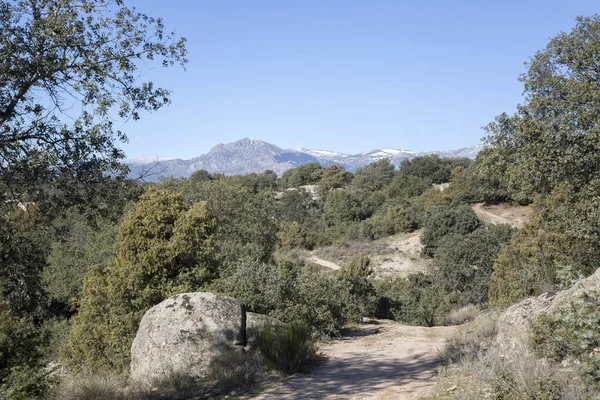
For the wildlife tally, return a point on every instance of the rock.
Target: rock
(513, 325)
(186, 333)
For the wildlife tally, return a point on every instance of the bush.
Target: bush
(163, 248)
(462, 315)
(465, 262)
(468, 345)
(444, 221)
(290, 291)
(415, 300)
(572, 333)
(358, 273)
(21, 363)
(289, 348)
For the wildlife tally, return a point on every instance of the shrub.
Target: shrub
(465, 262)
(468, 344)
(444, 221)
(21, 363)
(290, 291)
(415, 300)
(358, 273)
(163, 248)
(572, 333)
(289, 348)
(524, 268)
(462, 315)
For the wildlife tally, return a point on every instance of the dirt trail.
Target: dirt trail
(324, 263)
(515, 216)
(383, 360)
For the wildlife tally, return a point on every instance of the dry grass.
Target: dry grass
(476, 369)
(342, 253)
(236, 372)
(469, 342)
(462, 315)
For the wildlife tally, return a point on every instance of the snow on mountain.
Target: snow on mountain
(252, 155)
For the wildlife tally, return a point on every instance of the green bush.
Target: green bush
(572, 333)
(163, 248)
(358, 273)
(289, 348)
(415, 300)
(21, 362)
(465, 262)
(290, 291)
(444, 221)
(374, 176)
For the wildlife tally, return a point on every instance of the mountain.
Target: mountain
(251, 155)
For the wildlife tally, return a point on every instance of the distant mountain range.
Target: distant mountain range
(251, 155)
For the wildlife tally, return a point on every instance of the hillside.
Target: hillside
(250, 155)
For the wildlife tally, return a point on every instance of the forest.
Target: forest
(84, 252)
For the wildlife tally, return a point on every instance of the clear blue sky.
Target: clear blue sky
(343, 75)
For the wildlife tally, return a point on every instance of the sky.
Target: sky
(343, 75)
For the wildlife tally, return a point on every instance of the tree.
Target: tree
(163, 248)
(447, 220)
(465, 262)
(553, 137)
(67, 69)
(374, 176)
(307, 174)
(333, 177)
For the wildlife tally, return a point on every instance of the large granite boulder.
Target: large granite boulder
(186, 333)
(513, 325)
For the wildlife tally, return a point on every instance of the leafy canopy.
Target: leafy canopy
(67, 69)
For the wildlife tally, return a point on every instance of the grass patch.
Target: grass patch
(342, 253)
(288, 348)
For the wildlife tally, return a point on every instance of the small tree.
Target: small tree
(163, 248)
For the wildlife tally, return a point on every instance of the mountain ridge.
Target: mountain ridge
(249, 155)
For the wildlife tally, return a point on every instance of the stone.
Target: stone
(513, 324)
(186, 333)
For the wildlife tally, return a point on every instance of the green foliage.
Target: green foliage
(289, 348)
(163, 248)
(571, 333)
(405, 186)
(20, 357)
(465, 262)
(333, 177)
(432, 168)
(415, 300)
(552, 138)
(306, 174)
(288, 291)
(525, 267)
(444, 221)
(22, 260)
(246, 220)
(359, 273)
(73, 253)
(346, 206)
(90, 50)
(374, 176)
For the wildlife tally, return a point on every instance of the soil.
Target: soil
(379, 360)
(515, 216)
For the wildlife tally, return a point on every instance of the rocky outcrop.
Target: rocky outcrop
(513, 325)
(186, 333)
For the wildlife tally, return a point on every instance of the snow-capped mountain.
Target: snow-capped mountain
(251, 155)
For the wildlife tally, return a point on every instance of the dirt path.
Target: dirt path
(383, 360)
(324, 263)
(515, 216)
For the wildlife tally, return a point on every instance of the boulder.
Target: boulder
(513, 324)
(186, 333)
